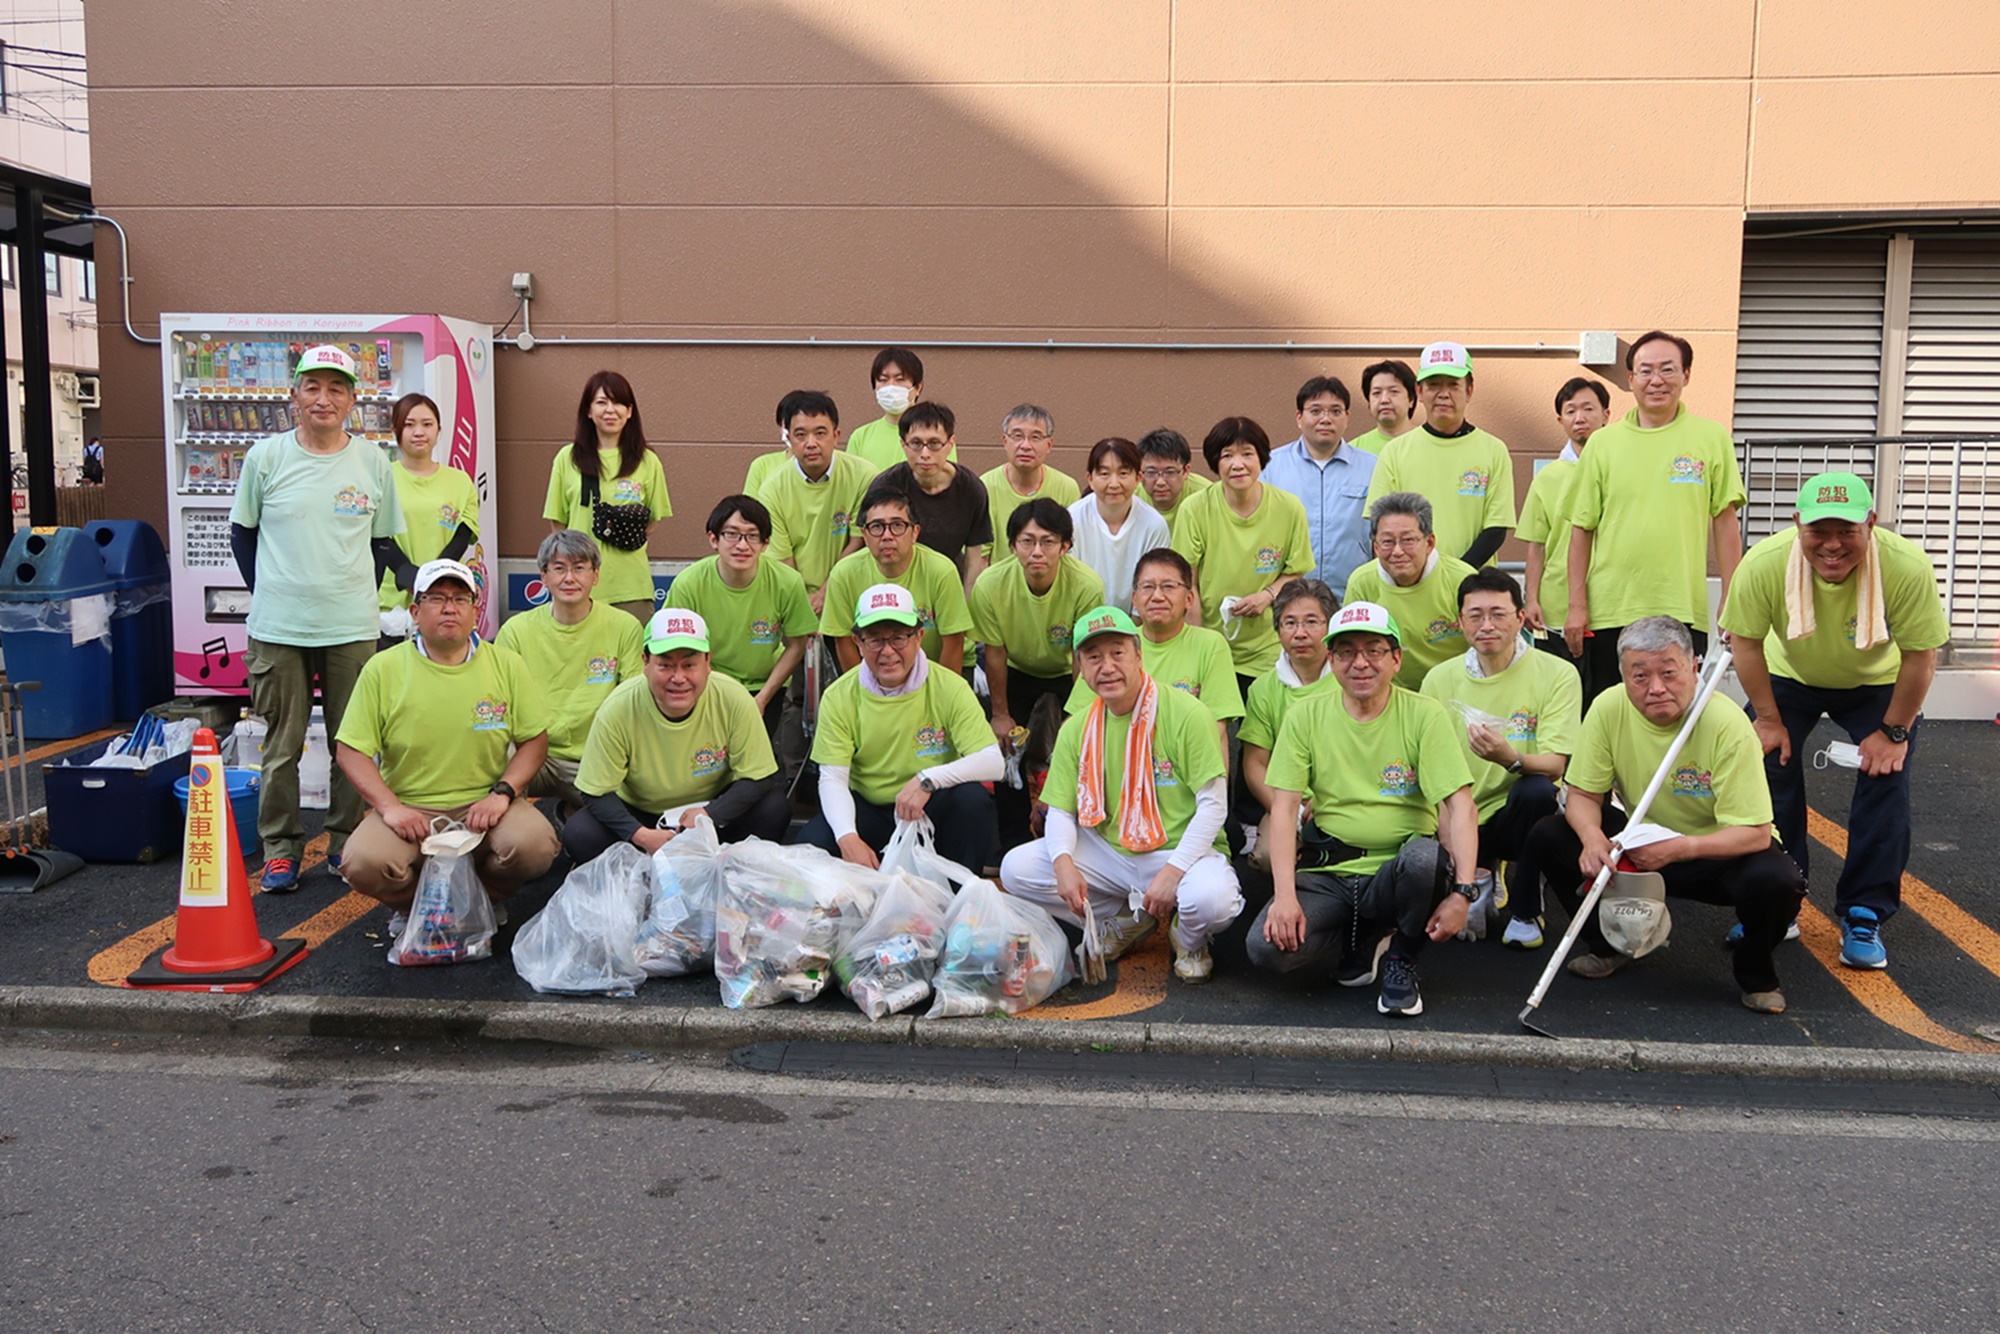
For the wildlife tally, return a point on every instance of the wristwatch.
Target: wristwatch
(1470, 893)
(1896, 734)
(927, 783)
(504, 788)
(1517, 766)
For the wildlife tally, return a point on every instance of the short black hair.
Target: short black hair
(1400, 370)
(902, 359)
(806, 403)
(1115, 446)
(882, 492)
(1577, 384)
(1166, 443)
(1490, 580)
(927, 414)
(1324, 384)
(1174, 561)
(1235, 431)
(1047, 513)
(1660, 336)
(749, 508)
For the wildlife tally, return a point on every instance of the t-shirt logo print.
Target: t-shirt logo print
(1521, 725)
(601, 671)
(932, 740)
(1399, 779)
(763, 631)
(1163, 772)
(1473, 482)
(710, 760)
(1440, 630)
(1688, 471)
(489, 715)
(448, 518)
(626, 491)
(1269, 559)
(840, 518)
(1692, 782)
(352, 500)
(1059, 636)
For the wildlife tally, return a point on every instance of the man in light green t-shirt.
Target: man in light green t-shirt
(1390, 390)
(578, 650)
(1715, 810)
(896, 378)
(1164, 463)
(1385, 859)
(1518, 711)
(1028, 433)
(1581, 405)
(900, 739)
(429, 733)
(1466, 474)
(1188, 658)
(680, 738)
(1102, 849)
(813, 500)
(1415, 581)
(760, 620)
(1797, 671)
(1303, 612)
(895, 555)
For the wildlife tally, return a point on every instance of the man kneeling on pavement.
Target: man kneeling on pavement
(1385, 859)
(679, 736)
(427, 734)
(1717, 804)
(1141, 771)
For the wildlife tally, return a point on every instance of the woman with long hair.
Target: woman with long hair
(607, 483)
(440, 504)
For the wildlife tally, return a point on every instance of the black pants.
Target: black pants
(1556, 646)
(1504, 837)
(584, 835)
(962, 815)
(1600, 660)
(1764, 888)
(1347, 914)
(1011, 804)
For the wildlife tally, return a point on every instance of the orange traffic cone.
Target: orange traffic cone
(216, 946)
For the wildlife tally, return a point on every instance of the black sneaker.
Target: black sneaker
(1400, 992)
(1357, 967)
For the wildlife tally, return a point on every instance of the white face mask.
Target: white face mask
(893, 398)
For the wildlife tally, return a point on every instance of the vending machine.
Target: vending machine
(227, 384)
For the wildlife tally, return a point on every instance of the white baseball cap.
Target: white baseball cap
(676, 627)
(326, 357)
(1444, 359)
(886, 602)
(1633, 912)
(1368, 617)
(433, 570)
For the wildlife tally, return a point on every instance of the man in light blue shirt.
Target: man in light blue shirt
(1330, 478)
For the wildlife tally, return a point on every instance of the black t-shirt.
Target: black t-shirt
(953, 519)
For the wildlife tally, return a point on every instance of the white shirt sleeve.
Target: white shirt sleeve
(1059, 830)
(836, 800)
(981, 766)
(1211, 807)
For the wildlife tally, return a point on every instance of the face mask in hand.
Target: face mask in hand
(893, 398)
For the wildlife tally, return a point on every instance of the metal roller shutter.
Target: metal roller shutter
(1809, 338)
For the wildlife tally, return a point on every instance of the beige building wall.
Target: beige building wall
(1173, 171)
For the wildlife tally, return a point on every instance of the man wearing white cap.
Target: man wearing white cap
(1837, 618)
(313, 527)
(680, 737)
(429, 733)
(1465, 473)
(1384, 858)
(1137, 794)
(900, 738)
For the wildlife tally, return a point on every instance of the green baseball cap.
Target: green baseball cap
(1835, 495)
(1105, 620)
(676, 627)
(1364, 617)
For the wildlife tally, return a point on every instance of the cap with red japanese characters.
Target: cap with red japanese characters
(326, 357)
(885, 602)
(1444, 359)
(1364, 618)
(676, 627)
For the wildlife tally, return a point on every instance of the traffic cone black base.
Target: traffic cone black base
(156, 976)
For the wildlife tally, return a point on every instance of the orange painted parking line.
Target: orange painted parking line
(1142, 984)
(1876, 992)
(348, 909)
(58, 747)
(1967, 932)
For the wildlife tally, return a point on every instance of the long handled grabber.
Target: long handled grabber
(1717, 665)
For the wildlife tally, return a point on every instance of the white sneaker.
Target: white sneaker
(1523, 933)
(1192, 966)
(1122, 931)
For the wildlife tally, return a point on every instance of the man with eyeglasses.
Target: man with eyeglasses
(1466, 473)
(445, 725)
(1415, 580)
(1165, 461)
(895, 555)
(1389, 388)
(1027, 433)
(1189, 658)
(577, 649)
(900, 739)
(813, 501)
(948, 503)
(681, 738)
(1302, 613)
(1655, 489)
(1385, 861)
(1330, 478)
(1520, 711)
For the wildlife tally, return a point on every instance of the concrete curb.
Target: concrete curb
(600, 1023)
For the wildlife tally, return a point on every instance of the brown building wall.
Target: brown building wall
(1126, 170)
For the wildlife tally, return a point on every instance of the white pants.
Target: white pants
(1209, 900)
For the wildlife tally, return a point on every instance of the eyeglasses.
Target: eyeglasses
(1400, 543)
(739, 537)
(1346, 654)
(1487, 617)
(1168, 586)
(556, 569)
(1027, 437)
(1039, 543)
(448, 599)
(887, 527)
(1314, 623)
(1162, 474)
(927, 446)
(893, 639)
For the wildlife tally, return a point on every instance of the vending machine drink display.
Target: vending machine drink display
(227, 381)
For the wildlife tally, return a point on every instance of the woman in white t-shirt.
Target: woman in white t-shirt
(1113, 528)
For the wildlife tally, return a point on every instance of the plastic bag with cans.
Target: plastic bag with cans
(886, 968)
(586, 940)
(784, 914)
(678, 935)
(451, 920)
(1002, 955)
(913, 848)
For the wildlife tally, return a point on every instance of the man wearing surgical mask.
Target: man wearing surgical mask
(897, 380)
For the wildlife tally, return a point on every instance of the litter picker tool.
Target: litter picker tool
(1711, 678)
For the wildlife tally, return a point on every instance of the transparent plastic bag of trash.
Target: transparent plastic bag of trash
(886, 967)
(451, 920)
(785, 912)
(678, 935)
(913, 848)
(1002, 955)
(586, 941)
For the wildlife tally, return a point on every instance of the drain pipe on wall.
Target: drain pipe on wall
(125, 279)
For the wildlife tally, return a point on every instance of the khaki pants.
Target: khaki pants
(281, 693)
(557, 778)
(380, 864)
(640, 610)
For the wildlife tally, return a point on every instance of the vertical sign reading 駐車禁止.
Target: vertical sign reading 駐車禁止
(204, 883)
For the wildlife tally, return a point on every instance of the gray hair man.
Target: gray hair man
(1414, 580)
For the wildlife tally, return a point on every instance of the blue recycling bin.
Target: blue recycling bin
(142, 615)
(55, 612)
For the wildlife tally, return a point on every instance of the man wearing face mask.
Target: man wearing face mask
(897, 381)
(1465, 473)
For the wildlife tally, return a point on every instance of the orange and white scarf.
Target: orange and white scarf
(1140, 828)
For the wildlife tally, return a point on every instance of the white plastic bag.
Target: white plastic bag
(913, 848)
(1002, 955)
(783, 916)
(451, 920)
(678, 935)
(887, 966)
(586, 939)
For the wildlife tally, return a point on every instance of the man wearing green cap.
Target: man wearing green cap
(1837, 618)
(1385, 859)
(679, 737)
(900, 739)
(1137, 794)
(1466, 474)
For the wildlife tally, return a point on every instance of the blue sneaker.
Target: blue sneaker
(1735, 936)
(1861, 940)
(281, 876)
(1400, 992)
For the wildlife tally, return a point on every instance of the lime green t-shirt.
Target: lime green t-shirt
(885, 740)
(1374, 442)
(1718, 779)
(761, 467)
(577, 666)
(1195, 662)
(1545, 519)
(1002, 500)
(1034, 630)
(747, 627)
(1187, 754)
(1649, 496)
(442, 734)
(880, 442)
(1270, 699)
(1426, 612)
(653, 763)
(1375, 785)
(315, 516)
(433, 507)
(1539, 700)
(933, 582)
(1469, 480)
(1234, 557)
(627, 575)
(1827, 658)
(1194, 486)
(811, 522)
